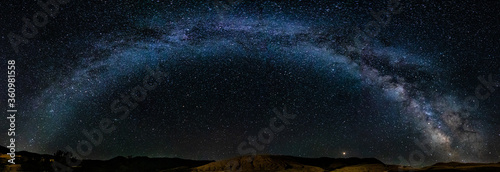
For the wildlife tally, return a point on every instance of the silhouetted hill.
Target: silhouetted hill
(140, 164)
(260, 163)
(335, 163)
(456, 166)
(37, 162)
(290, 163)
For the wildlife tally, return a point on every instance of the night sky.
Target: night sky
(220, 72)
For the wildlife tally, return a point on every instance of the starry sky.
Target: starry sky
(224, 68)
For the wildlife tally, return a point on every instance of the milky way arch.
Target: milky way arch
(401, 84)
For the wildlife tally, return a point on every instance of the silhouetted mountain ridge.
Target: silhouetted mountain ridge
(40, 162)
(284, 163)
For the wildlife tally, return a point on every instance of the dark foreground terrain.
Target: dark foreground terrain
(27, 161)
